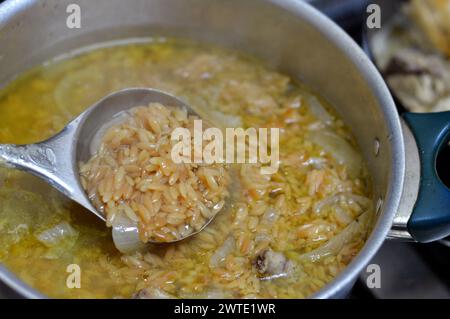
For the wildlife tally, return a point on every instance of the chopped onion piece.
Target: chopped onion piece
(270, 216)
(319, 110)
(364, 202)
(340, 149)
(55, 235)
(216, 118)
(125, 235)
(225, 120)
(223, 251)
(152, 293)
(335, 244)
(342, 216)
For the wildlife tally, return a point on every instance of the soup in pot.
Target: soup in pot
(279, 235)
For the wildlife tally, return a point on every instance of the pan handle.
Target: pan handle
(430, 218)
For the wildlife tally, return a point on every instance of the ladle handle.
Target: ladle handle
(53, 161)
(32, 156)
(37, 159)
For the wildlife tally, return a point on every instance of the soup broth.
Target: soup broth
(283, 235)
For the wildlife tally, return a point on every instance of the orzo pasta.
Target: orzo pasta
(133, 174)
(284, 235)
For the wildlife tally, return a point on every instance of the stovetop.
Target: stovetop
(408, 270)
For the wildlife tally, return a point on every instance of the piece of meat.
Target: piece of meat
(421, 81)
(415, 62)
(271, 265)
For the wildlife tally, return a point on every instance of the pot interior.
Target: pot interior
(289, 36)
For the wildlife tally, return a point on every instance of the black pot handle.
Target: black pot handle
(430, 219)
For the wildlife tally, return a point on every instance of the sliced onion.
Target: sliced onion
(335, 244)
(364, 202)
(225, 120)
(17, 233)
(316, 162)
(327, 201)
(319, 110)
(152, 293)
(342, 216)
(223, 251)
(270, 216)
(340, 149)
(217, 118)
(55, 235)
(125, 235)
(262, 236)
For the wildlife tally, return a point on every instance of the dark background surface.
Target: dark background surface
(408, 270)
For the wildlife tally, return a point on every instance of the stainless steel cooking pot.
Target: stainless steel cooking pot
(291, 36)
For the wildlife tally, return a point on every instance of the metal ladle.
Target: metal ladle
(56, 160)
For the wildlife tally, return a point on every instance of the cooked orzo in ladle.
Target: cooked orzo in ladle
(133, 174)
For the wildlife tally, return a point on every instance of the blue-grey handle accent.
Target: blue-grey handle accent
(430, 219)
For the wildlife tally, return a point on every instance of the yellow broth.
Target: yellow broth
(41, 102)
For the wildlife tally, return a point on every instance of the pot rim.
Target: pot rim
(350, 48)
